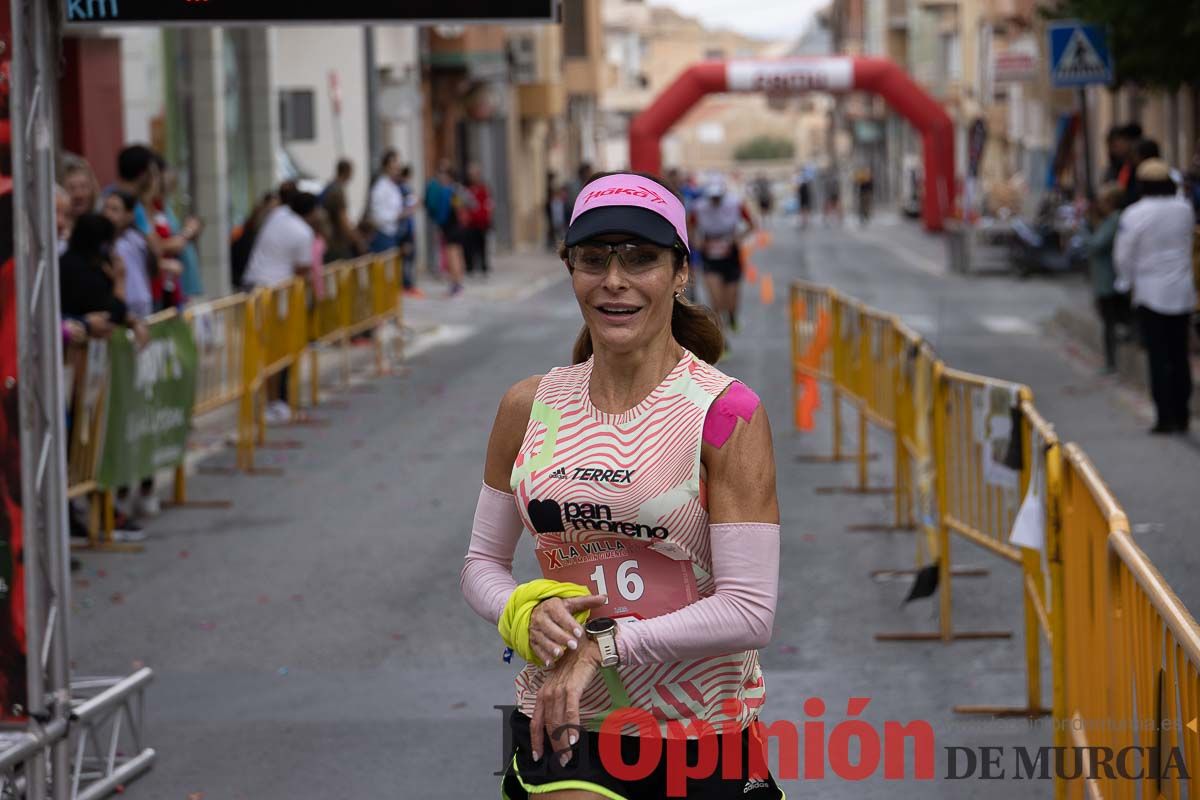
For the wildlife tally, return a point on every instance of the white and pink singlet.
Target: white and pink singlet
(617, 504)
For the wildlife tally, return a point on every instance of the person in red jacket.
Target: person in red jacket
(478, 220)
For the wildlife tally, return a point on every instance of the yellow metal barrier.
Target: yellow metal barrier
(87, 373)
(279, 330)
(243, 341)
(969, 452)
(359, 296)
(88, 367)
(1130, 653)
(224, 371)
(914, 488)
(981, 494)
(219, 328)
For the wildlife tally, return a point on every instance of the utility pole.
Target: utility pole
(374, 129)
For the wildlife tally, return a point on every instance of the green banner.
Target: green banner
(150, 397)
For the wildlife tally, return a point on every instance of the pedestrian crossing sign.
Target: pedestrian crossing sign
(1079, 54)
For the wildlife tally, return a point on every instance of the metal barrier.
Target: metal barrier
(974, 457)
(279, 328)
(244, 342)
(1144, 691)
(914, 472)
(358, 296)
(225, 372)
(88, 368)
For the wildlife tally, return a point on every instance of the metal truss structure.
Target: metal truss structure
(84, 738)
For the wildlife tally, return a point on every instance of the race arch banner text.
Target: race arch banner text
(150, 396)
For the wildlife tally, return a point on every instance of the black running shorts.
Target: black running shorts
(586, 772)
(729, 269)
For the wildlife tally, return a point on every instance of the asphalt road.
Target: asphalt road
(311, 641)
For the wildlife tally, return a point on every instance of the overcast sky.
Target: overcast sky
(767, 19)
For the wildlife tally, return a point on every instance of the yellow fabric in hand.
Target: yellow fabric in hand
(514, 620)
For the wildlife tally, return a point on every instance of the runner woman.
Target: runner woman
(646, 478)
(718, 221)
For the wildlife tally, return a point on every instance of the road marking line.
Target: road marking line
(1004, 324)
(440, 336)
(913, 259)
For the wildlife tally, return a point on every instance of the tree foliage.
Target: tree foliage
(764, 148)
(1154, 42)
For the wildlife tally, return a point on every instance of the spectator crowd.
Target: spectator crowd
(1144, 266)
(125, 254)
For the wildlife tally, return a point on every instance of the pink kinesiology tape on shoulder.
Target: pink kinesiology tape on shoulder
(739, 615)
(737, 401)
(486, 578)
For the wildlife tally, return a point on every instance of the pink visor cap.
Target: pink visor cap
(625, 203)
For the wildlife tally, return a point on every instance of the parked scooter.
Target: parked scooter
(1055, 242)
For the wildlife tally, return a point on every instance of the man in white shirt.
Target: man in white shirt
(1153, 260)
(283, 248)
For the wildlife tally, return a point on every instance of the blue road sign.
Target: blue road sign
(1079, 54)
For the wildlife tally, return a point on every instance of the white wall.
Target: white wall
(303, 58)
(396, 56)
(142, 71)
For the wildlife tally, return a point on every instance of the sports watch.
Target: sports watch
(603, 631)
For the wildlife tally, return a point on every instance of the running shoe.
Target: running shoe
(146, 505)
(278, 413)
(126, 530)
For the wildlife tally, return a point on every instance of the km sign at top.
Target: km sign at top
(249, 12)
(1079, 54)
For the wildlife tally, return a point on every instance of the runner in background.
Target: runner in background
(763, 196)
(478, 221)
(689, 188)
(647, 480)
(864, 188)
(719, 221)
(833, 197)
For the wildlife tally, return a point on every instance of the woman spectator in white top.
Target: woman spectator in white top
(1153, 259)
(386, 204)
(284, 246)
(283, 250)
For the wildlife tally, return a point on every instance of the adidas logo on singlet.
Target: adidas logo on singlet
(597, 475)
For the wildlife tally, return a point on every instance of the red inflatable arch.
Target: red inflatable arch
(836, 74)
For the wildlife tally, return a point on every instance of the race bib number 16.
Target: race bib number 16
(639, 582)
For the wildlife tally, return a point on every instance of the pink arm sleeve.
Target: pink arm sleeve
(486, 578)
(738, 616)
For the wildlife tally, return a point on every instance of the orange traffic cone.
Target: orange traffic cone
(766, 290)
(751, 273)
